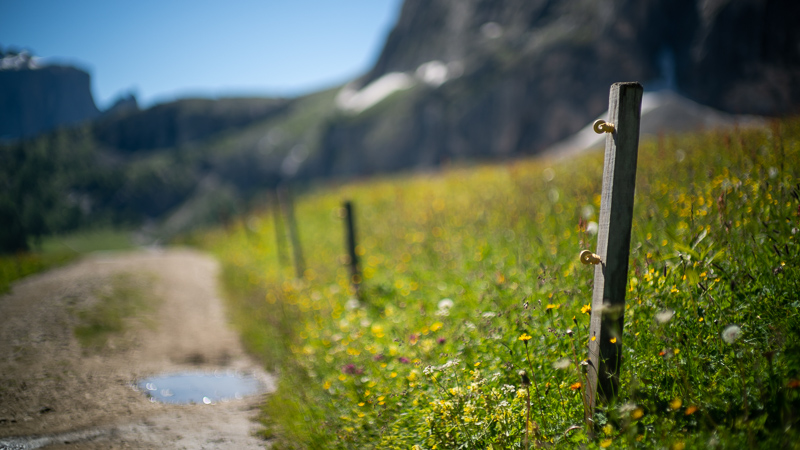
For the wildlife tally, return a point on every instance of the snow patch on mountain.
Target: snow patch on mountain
(354, 100)
(432, 73)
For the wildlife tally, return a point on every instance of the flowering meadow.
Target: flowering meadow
(470, 327)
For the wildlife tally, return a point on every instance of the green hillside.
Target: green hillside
(179, 165)
(471, 275)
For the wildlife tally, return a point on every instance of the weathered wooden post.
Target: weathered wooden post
(350, 241)
(285, 199)
(613, 244)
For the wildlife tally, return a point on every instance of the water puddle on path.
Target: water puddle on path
(205, 388)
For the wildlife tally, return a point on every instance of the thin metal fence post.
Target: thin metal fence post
(351, 243)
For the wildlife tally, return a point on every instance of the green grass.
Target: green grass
(54, 251)
(472, 275)
(88, 241)
(117, 305)
(15, 267)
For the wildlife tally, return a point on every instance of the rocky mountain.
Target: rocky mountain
(488, 78)
(35, 98)
(125, 104)
(457, 80)
(739, 56)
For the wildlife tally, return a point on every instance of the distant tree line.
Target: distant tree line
(68, 180)
(52, 184)
(37, 179)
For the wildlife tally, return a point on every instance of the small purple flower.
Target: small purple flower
(441, 340)
(351, 369)
(378, 357)
(404, 360)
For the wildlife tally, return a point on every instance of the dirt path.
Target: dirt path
(56, 393)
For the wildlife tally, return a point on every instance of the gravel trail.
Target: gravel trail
(56, 393)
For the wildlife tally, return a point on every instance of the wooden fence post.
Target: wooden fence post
(350, 240)
(285, 199)
(613, 244)
(280, 234)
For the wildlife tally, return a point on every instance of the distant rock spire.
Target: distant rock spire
(124, 104)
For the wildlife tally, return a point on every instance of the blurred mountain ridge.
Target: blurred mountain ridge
(457, 80)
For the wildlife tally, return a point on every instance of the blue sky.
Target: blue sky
(165, 49)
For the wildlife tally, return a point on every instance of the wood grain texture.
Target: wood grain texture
(613, 244)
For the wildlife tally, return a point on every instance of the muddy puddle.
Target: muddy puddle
(200, 388)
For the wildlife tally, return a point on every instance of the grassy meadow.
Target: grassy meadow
(471, 276)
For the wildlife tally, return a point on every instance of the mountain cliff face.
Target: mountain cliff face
(493, 78)
(36, 99)
(745, 57)
(720, 48)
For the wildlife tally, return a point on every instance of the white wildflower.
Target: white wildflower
(444, 306)
(445, 366)
(562, 364)
(445, 303)
(731, 334)
(626, 408)
(773, 172)
(664, 316)
(352, 303)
